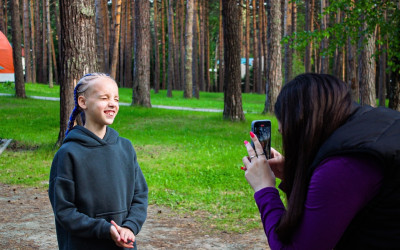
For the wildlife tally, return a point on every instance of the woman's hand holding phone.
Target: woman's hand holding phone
(257, 170)
(277, 163)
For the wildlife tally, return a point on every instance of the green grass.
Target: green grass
(191, 160)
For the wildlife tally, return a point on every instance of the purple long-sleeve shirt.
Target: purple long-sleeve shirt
(340, 186)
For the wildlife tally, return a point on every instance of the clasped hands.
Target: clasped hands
(122, 236)
(260, 172)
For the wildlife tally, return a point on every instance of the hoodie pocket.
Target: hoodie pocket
(117, 216)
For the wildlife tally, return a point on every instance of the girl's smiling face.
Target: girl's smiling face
(100, 103)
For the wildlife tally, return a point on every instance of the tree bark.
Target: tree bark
(50, 68)
(78, 54)
(171, 45)
(351, 70)
(255, 49)
(117, 27)
(195, 61)
(164, 67)
(17, 57)
(310, 4)
(156, 50)
(207, 46)
(233, 109)
(32, 38)
(122, 42)
(201, 52)
(45, 57)
(221, 51)
(324, 42)
(382, 69)
(100, 34)
(274, 78)
(106, 32)
(39, 45)
(141, 86)
(188, 89)
(182, 44)
(288, 61)
(366, 70)
(247, 48)
(27, 40)
(128, 45)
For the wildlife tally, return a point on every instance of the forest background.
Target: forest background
(188, 48)
(230, 46)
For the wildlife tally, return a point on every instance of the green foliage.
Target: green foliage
(191, 160)
(356, 14)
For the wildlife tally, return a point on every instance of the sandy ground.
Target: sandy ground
(27, 222)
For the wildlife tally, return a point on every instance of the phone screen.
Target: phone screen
(262, 129)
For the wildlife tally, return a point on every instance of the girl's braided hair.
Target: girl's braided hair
(79, 90)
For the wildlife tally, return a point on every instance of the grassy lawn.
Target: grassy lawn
(191, 160)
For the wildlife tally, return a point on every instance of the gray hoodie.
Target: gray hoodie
(93, 181)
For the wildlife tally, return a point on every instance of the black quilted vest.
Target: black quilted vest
(375, 132)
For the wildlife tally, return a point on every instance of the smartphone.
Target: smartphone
(262, 129)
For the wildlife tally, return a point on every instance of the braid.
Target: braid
(80, 88)
(75, 111)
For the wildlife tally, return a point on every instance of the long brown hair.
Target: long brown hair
(310, 108)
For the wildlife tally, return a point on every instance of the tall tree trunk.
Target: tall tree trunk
(201, 53)
(293, 32)
(128, 45)
(188, 88)
(78, 54)
(366, 70)
(195, 61)
(338, 65)
(232, 16)
(17, 57)
(141, 86)
(255, 49)
(182, 44)
(324, 42)
(53, 54)
(288, 61)
(265, 50)
(100, 34)
(39, 45)
(310, 4)
(116, 39)
(156, 50)
(27, 46)
(106, 32)
(50, 68)
(247, 48)
(171, 71)
(274, 79)
(32, 38)
(260, 45)
(164, 67)
(382, 68)
(178, 83)
(221, 70)
(122, 44)
(45, 57)
(207, 46)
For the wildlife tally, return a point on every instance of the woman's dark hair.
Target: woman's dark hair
(79, 90)
(310, 108)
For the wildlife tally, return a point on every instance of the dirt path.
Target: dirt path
(27, 222)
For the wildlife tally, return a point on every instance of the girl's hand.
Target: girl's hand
(123, 237)
(257, 170)
(277, 163)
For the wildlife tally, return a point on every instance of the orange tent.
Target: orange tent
(6, 60)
